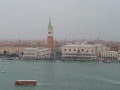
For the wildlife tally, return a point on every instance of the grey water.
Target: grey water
(60, 75)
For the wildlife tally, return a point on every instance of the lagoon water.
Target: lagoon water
(60, 75)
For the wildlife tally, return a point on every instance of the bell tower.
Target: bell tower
(50, 40)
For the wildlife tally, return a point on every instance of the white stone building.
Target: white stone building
(119, 55)
(44, 53)
(36, 53)
(109, 55)
(79, 52)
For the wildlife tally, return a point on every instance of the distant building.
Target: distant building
(36, 53)
(109, 55)
(119, 55)
(29, 53)
(9, 50)
(79, 52)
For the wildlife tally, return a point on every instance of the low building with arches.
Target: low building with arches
(79, 52)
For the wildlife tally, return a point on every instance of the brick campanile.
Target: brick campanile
(50, 40)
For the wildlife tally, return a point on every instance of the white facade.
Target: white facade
(44, 53)
(79, 52)
(119, 55)
(36, 53)
(29, 53)
(109, 55)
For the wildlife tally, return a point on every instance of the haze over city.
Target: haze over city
(71, 19)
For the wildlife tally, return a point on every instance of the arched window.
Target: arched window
(82, 50)
(65, 49)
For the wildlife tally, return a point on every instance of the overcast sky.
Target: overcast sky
(71, 19)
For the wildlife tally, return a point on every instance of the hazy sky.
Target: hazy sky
(71, 19)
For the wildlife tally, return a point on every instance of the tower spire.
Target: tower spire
(50, 22)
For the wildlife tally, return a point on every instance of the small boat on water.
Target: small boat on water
(26, 82)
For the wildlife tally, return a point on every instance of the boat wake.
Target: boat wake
(59, 84)
(108, 80)
(45, 84)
